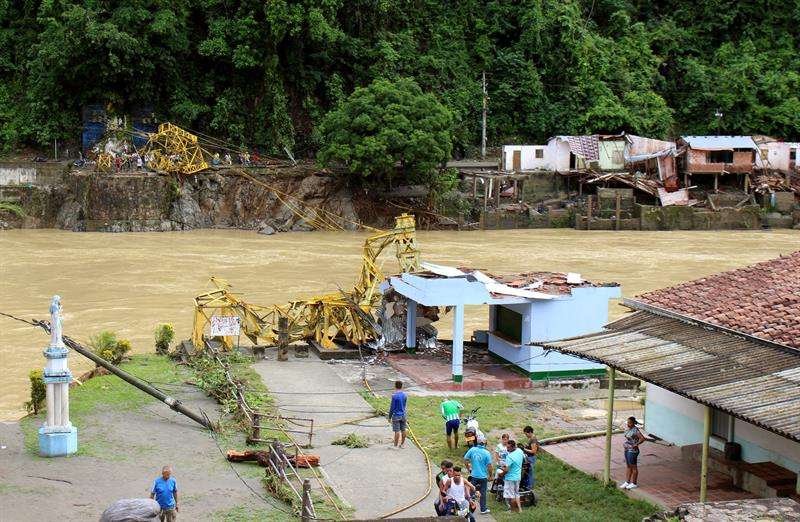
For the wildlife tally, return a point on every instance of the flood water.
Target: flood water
(130, 282)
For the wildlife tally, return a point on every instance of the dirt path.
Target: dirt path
(374, 480)
(122, 452)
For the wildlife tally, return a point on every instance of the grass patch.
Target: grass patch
(565, 493)
(108, 392)
(250, 514)
(352, 441)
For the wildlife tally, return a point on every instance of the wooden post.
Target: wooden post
(609, 426)
(516, 194)
(256, 435)
(588, 212)
(487, 187)
(686, 179)
(474, 187)
(283, 339)
(618, 213)
(747, 183)
(716, 182)
(580, 187)
(704, 462)
(305, 514)
(497, 193)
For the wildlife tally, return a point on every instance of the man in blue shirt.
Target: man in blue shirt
(479, 464)
(397, 415)
(165, 491)
(512, 474)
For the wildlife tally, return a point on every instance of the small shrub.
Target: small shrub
(107, 346)
(12, 208)
(165, 333)
(352, 441)
(38, 391)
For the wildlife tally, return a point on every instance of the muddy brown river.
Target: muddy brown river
(130, 282)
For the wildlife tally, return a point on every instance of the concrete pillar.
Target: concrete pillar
(57, 421)
(458, 343)
(411, 326)
(609, 425)
(704, 461)
(51, 410)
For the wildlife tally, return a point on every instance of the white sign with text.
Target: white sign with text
(225, 325)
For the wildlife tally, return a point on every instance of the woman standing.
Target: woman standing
(633, 438)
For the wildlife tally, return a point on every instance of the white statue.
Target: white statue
(55, 322)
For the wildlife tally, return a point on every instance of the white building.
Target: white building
(720, 356)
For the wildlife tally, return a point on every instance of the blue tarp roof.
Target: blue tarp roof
(720, 142)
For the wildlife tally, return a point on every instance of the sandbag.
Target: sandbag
(132, 510)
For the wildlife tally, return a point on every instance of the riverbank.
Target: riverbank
(286, 198)
(125, 437)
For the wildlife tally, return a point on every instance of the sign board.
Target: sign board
(224, 325)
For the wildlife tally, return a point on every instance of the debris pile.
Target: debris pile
(392, 321)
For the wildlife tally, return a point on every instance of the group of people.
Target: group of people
(511, 461)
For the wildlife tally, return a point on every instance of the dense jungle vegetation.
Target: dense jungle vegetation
(265, 73)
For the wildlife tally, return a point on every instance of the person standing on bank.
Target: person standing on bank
(512, 474)
(451, 413)
(479, 465)
(530, 448)
(165, 492)
(633, 438)
(397, 415)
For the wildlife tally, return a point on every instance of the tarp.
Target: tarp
(585, 147)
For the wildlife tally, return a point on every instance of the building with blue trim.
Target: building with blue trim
(523, 309)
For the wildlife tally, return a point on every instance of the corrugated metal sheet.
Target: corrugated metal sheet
(754, 381)
(720, 142)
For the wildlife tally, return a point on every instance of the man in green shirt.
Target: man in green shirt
(451, 413)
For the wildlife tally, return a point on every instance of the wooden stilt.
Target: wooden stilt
(609, 426)
(704, 462)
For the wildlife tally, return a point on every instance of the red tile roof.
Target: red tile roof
(762, 300)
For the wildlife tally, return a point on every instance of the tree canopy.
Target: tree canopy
(266, 73)
(387, 124)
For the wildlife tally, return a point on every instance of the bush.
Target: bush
(107, 346)
(165, 333)
(38, 391)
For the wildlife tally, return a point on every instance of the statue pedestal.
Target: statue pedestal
(59, 443)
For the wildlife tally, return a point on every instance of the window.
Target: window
(508, 323)
(539, 153)
(721, 424)
(720, 156)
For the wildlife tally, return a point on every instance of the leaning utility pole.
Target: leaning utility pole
(485, 107)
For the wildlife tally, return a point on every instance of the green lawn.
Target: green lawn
(111, 393)
(565, 493)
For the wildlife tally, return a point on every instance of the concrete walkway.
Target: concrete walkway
(374, 480)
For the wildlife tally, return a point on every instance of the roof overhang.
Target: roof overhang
(752, 380)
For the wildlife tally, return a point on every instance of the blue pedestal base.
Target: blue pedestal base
(58, 444)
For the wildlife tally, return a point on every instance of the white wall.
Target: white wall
(528, 157)
(777, 156)
(558, 152)
(680, 421)
(17, 175)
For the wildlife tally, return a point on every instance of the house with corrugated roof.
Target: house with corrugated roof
(721, 359)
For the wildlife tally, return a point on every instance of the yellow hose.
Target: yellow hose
(427, 463)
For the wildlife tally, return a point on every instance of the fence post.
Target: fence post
(618, 211)
(283, 339)
(256, 435)
(305, 514)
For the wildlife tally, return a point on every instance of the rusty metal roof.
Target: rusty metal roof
(758, 382)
